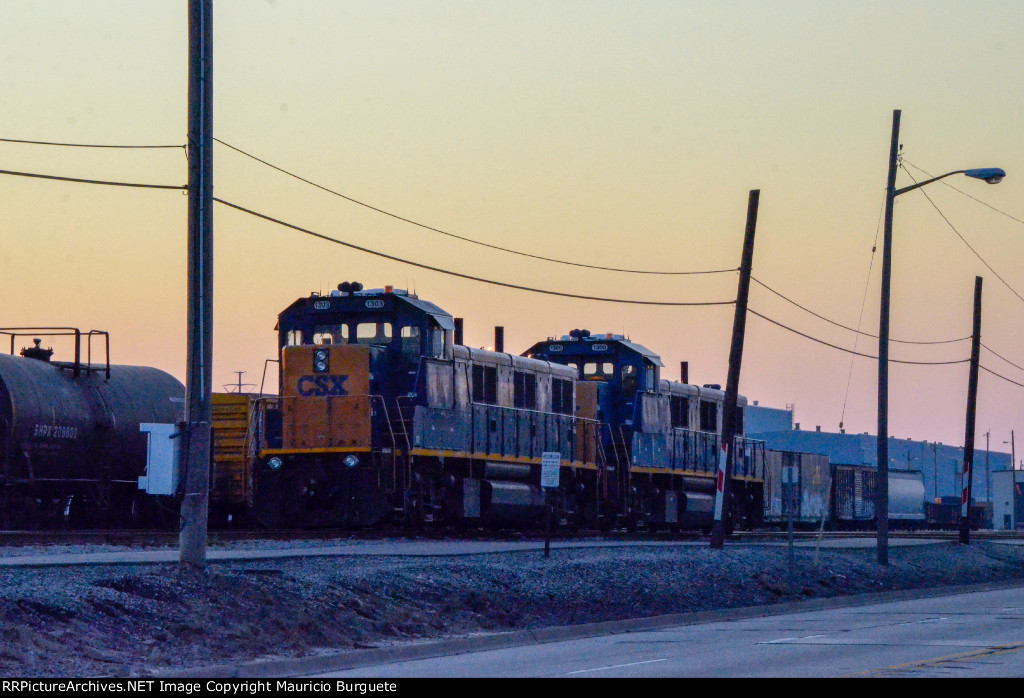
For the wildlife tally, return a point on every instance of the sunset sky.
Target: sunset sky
(623, 134)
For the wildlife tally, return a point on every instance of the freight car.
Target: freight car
(383, 418)
(809, 487)
(71, 449)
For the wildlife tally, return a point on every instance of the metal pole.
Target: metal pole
(882, 482)
(972, 406)
(988, 473)
(197, 441)
(547, 523)
(1013, 476)
(499, 339)
(726, 455)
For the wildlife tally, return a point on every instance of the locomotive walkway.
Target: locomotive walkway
(80, 555)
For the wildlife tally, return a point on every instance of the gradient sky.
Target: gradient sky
(608, 133)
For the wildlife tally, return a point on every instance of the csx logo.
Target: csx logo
(321, 385)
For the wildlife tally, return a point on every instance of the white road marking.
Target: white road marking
(617, 666)
(786, 640)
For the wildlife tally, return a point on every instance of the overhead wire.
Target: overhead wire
(998, 375)
(850, 329)
(463, 238)
(375, 252)
(998, 355)
(109, 183)
(851, 351)
(87, 145)
(460, 275)
(860, 319)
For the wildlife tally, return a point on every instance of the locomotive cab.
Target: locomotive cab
(665, 437)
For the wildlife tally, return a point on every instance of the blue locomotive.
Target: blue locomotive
(383, 418)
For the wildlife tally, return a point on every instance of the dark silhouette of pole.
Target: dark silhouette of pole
(499, 339)
(198, 389)
(882, 481)
(732, 384)
(457, 338)
(972, 404)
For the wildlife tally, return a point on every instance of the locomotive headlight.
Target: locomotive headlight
(351, 461)
(320, 359)
(275, 463)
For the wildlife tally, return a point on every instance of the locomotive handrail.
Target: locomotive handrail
(406, 475)
(391, 433)
(264, 379)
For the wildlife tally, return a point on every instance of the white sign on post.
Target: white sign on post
(550, 465)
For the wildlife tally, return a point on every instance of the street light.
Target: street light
(992, 175)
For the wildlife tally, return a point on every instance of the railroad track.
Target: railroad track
(144, 538)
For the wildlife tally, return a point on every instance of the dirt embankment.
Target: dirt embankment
(136, 619)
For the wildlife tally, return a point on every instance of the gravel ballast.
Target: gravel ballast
(140, 619)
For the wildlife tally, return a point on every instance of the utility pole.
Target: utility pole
(972, 405)
(198, 390)
(732, 384)
(882, 489)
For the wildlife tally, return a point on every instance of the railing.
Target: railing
(256, 432)
(15, 332)
(506, 431)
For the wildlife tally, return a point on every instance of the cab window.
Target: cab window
(600, 370)
(330, 334)
(629, 380)
(410, 335)
(373, 333)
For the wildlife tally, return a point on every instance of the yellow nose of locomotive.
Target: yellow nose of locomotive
(325, 396)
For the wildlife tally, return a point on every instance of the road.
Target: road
(979, 634)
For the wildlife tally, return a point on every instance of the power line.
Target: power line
(850, 351)
(860, 318)
(93, 181)
(1001, 357)
(964, 240)
(850, 329)
(997, 375)
(465, 239)
(458, 274)
(87, 145)
(969, 196)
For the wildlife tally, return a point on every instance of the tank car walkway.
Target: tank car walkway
(272, 550)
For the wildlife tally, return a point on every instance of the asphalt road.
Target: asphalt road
(978, 634)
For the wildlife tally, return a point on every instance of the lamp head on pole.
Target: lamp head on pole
(992, 175)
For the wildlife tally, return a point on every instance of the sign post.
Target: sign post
(550, 468)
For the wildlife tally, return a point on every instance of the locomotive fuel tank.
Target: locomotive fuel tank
(60, 432)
